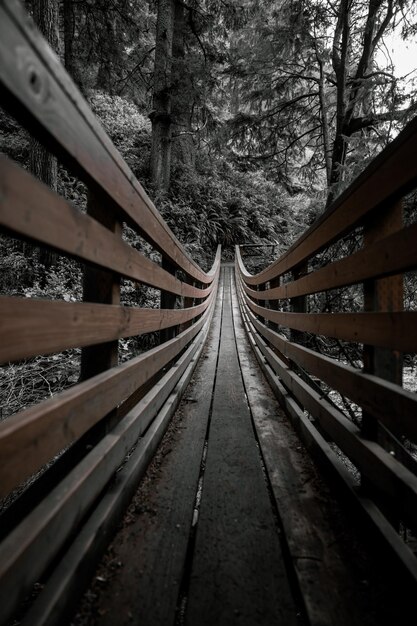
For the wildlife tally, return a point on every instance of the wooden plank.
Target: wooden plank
(320, 557)
(381, 533)
(28, 550)
(36, 88)
(31, 437)
(29, 327)
(395, 407)
(393, 254)
(30, 209)
(238, 574)
(397, 330)
(153, 548)
(382, 469)
(388, 177)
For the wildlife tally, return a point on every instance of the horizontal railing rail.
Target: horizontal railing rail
(360, 414)
(78, 438)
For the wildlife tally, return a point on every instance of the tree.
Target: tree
(183, 144)
(69, 25)
(315, 95)
(42, 164)
(162, 99)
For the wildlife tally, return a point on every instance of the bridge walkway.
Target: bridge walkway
(231, 524)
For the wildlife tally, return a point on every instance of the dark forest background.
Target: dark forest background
(243, 120)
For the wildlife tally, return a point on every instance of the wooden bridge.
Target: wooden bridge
(232, 523)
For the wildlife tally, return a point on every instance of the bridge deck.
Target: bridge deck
(231, 524)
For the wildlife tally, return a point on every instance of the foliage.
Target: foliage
(14, 141)
(218, 204)
(127, 127)
(314, 99)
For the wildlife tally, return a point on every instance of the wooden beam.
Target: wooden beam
(395, 407)
(36, 89)
(397, 331)
(30, 327)
(31, 210)
(31, 438)
(393, 254)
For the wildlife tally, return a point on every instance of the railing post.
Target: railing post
(101, 286)
(273, 304)
(262, 302)
(299, 304)
(168, 301)
(384, 295)
(188, 303)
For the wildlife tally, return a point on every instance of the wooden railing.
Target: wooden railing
(116, 409)
(287, 328)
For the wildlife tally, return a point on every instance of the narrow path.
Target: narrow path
(238, 571)
(231, 525)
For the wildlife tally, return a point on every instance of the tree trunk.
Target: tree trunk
(183, 144)
(68, 20)
(108, 53)
(324, 119)
(43, 164)
(162, 102)
(340, 56)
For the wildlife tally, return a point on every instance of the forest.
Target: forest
(242, 119)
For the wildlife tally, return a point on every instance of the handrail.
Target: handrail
(285, 336)
(389, 177)
(35, 84)
(115, 408)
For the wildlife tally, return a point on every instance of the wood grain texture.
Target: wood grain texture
(37, 89)
(29, 327)
(29, 549)
(397, 330)
(31, 437)
(320, 557)
(238, 575)
(394, 254)
(379, 530)
(153, 550)
(395, 407)
(382, 469)
(31, 210)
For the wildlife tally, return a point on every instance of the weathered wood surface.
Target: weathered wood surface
(29, 327)
(234, 572)
(35, 85)
(397, 330)
(395, 253)
(29, 209)
(29, 549)
(238, 574)
(388, 474)
(153, 548)
(31, 437)
(76, 566)
(397, 559)
(319, 554)
(391, 404)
